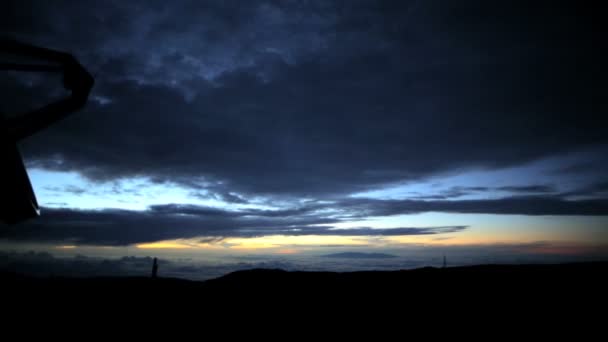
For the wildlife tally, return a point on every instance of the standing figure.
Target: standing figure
(155, 268)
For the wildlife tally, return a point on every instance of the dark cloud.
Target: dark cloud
(457, 192)
(173, 221)
(318, 99)
(227, 197)
(122, 227)
(211, 240)
(528, 189)
(294, 101)
(595, 190)
(523, 205)
(451, 193)
(72, 189)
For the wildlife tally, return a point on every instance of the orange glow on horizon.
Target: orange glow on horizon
(287, 244)
(66, 247)
(287, 251)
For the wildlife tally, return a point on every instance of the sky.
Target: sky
(275, 133)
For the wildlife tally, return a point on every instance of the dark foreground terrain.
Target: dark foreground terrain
(495, 302)
(534, 286)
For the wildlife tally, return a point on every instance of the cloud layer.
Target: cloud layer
(312, 100)
(174, 221)
(318, 99)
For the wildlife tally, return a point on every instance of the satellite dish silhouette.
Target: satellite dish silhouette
(18, 200)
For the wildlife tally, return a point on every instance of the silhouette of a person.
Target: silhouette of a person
(154, 268)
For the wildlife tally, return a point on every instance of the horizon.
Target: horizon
(221, 136)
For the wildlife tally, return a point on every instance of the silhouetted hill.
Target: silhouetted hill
(357, 255)
(542, 286)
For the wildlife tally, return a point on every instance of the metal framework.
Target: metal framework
(18, 200)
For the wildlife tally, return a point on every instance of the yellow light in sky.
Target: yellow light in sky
(475, 235)
(279, 241)
(285, 243)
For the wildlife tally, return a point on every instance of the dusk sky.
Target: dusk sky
(283, 131)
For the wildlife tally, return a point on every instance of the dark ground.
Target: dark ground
(495, 302)
(553, 285)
